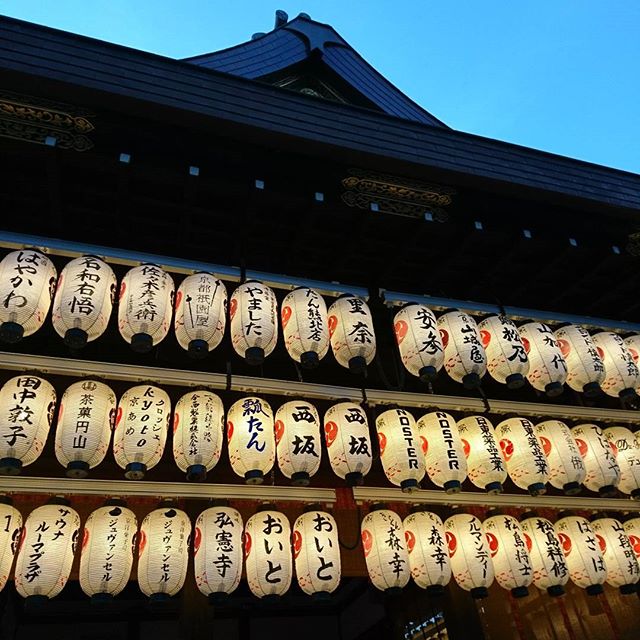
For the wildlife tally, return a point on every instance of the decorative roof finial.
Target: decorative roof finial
(281, 18)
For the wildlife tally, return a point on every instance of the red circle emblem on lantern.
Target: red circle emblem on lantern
(367, 542)
(525, 344)
(565, 347)
(85, 537)
(229, 430)
(444, 336)
(197, 539)
(233, 307)
(401, 328)
(565, 541)
(425, 445)
(493, 544)
(452, 543)
(382, 439)
(123, 288)
(286, 315)
(466, 447)
(485, 337)
(330, 432)
(582, 447)
(279, 429)
(600, 351)
(634, 354)
(546, 445)
(635, 544)
(411, 540)
(118, 416)
(527, 541)
(614, 449)
(297, 543)
(142, 541)
(333, 323)
(247, 543)
(176, 420)
(178, 299)
(23, 535)
(507, 448)
(602, 543)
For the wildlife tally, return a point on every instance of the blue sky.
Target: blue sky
(557, 75)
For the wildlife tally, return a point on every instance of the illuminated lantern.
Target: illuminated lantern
(47, 547)
(10, 530)
(485, 465)
(250, 439)
(27, 405)
(621, 375)
(84, 299)
(400, 454)
(582, 553)
(419, 342)
(524, 457)
(443, 450)
(507, 360)
(464, 357)
(298, 445)
(316, 551)
(201, 313)
(385, 550)
(107, 551)
(353, 340)
(547, 367)
(602, 470)
(145, 307)
(198, 426)
(585, 368)
(141, 429)
(27, 285)
(428, 551)
(632, 343)
(267, 554)
(253, 313)
(626, 449)
(85, 419)
(566, 467)
(632, 529)
(163, 552)
(217, 548)
(305, 326)
(346, 433)
(623, 571)
(469, 554)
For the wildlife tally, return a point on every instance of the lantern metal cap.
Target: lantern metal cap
(628, 589)
(196, 473)
(555, 590)
(300, 479)
(266, 506)
(572, 488)
(313, 506)
(494, 488)
(409, 485)
(592, 390)
(471, 381)
(135, 471)
(115, 502)
(59, 500)
(76, 338)
(254, 356)
(10, 466)
(11, 332)
(452, 486)
(554, 389)
(255, 476)
(357, 364)
(520, 592)
(198, 349)
(142, 343)
(479, 593)
(354, 479)
(77, 469)
(537, 489)
(494, 511)
(515, 381)
(594, 590)
(309, 360)
(525, 515)
(565, 513)
(378, 506)
(427, 374)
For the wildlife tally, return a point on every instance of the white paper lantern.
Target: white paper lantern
(86, 418)
(632, 529)
(27, 405)
(145, 307)
(428, 551)
(566, 467)
(385, 550)
(419, 342)
(316, 551)
(267, 554)
(253, 313)
(626, 450)
(507, 360)
(464, 357)
(346, 433)
(602, 470)
(547, 367)
(10, 530)
(621, 375)
(585, 368)
(201, 313)
(623, 571)
(400, 454)
(526, 463)
(485, 466)
(107, 551)
(443, 450)
(84, 299)
(471, 563)
(305, 326)
(142, 422)
(632, 343)
(217, 548)
(250, 439)
(27, 285)
(47, 547)
(198, 427)
(298, 444)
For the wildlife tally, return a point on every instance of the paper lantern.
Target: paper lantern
(84, 299)
(145, 307)
(10, 530)
(141, 429)
(27, 284)
(566, 468)
(316, 551)
(107, 551)
(27, 405)
(626, 449)
(201, 313)
(632, 529)
(250, 438)
(217, 548)
(547, 367)
(253, 313)
(428, 551)
(400, 454)
(585, 368)
(305, 326)
(298, 445)
(550, 569)
(485, 466)
(346, 432)
(443, 450)
(602, 470)
(267, 554)
(86, 418)
(471, 562)
(632, 343)
(582, 553)
(198, 426)
(507, 360)
(524, 457)
(623, 571)
(385, 550)
(47, 547)
(464, 357)
(621, 375)
(419, 342)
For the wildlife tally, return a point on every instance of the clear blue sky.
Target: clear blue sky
(557, 75)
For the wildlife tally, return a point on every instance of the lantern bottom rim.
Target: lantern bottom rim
(271, 598)
(357, 364)
(452, 486)
(11, 332)
(255, 476)
(635, 494)
(309, 360)
(478, 593)
(300, 479)
(435, 590)
(77, 469)
(321, 596)
(494, 488)
(76, 338)
(409, 485)
(142, 343)
(101, 598)
(555, 590)
(537, 489)
(515, 381)
(554, 389)
(254, 356)
(627, 394)
(159, 598)
(198, 349)
(35, 601)
(196, 473)
(520, 592)
(628, 589)
(572, 488)
(471, 381)
(608, 491)
(594, 589)
(217, 598)
(354, 479)
(592, 390)
(135, 471)
(427, 374)
(10, 466)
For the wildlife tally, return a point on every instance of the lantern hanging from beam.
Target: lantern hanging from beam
(632, 529)
(621, 375)
(585, 368)
(602, 471)
(626, 449)
(566, 467)
(623, 571)
(632, 343)
(10, 530)
(547, 367)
